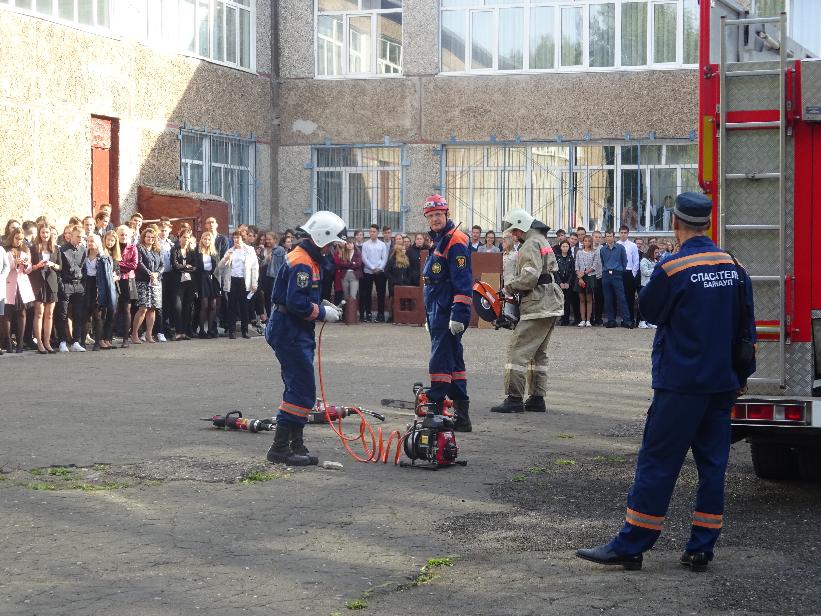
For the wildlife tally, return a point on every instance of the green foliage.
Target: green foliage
(356, 604)
(59, 471)
(258, 476)
(565, 462)
(517, 478)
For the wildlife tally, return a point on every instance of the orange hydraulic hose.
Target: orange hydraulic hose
(366, 435)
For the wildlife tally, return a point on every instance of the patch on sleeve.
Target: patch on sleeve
(436, 268)
(302, 279)
(461, 262)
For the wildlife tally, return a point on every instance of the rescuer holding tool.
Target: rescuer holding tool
(448, 287)
(540, 301)
(297, 305)
(702, 302)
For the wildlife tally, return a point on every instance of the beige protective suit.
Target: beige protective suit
(540, 304)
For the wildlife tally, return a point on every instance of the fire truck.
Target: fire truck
(760, 160)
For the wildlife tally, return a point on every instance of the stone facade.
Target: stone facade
(54, 77)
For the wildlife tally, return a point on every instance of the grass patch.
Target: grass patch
(610, 459)
(428, 572)
(99, 487)
(39, 485)
(356, 604)
(517, 478)
(259, 476)
(565, 436)
(535, 470)
(59, 471)
(37, 471)
(565, 462)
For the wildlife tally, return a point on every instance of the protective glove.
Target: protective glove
(332, 314)
(325, 302)
(456, 328)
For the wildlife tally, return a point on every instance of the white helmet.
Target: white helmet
(325, 227)
(517, 219)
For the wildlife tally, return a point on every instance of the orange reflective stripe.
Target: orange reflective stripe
(708, 520)
(298, 256)
(294, 409)
(654, 518)
(704, 258)
(643, 520)
(460, 376)
(440, 378)
(462, 299)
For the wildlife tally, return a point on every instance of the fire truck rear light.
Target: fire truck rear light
(739, 411)
(794, 413)
(764, 412)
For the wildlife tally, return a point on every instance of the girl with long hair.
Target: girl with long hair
(585, 280)
(45, 284)
(398, 271)
(206, 260)
(347, 271)
(92, 305)
(183, 262)
(19, 295)
(129, 260)
(108, 275)
(149, 285)
(646, 267)
(566, 277)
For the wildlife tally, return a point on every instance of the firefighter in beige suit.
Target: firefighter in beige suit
(540, 302)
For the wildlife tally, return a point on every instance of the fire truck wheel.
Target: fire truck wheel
(773, 461)
(809, 462)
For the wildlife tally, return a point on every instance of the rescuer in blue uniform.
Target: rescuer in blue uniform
(448, 287)
(694, 298)
(297, 305)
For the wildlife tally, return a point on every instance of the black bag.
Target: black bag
(743, 347)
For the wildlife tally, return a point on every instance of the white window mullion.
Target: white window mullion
(680, 32)
(526, 43)
(528, 179)
(586, 35)
(375, 199)
(495, 62)
(374, 45)
(468, 38)
(617, 55)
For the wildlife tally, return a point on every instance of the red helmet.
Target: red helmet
(435, 203)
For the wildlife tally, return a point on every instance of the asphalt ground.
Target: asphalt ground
(116, 499)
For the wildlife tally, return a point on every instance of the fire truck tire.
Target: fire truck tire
(809, 462)
(773, 461)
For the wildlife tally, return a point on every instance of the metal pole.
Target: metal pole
(722, 130)
(782, 144)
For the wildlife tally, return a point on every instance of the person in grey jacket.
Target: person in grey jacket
(72, 260)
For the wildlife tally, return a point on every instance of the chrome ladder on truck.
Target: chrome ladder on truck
(752, 200)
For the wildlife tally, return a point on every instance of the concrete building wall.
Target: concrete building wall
(54, 77)
(424, 109)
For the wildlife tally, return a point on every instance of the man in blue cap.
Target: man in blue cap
(695, 299)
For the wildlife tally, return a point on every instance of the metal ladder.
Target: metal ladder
(763, 282)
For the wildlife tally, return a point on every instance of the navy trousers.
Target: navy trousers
(613, 287)
(293, 344)
(447, 365)
(675, 424)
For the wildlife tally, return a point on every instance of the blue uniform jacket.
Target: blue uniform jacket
(448, 278)
(298, 284)
(693, 297)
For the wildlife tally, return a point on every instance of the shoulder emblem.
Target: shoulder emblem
(302, 280)
(461, 261)
(436, 268)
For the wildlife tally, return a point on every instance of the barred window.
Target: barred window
(223, 166)
(363, 185)
(598, 186)
(358, 37)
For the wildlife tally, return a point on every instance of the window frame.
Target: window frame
(235, 214)
(470, 6)
(104, 30)
(346, 16)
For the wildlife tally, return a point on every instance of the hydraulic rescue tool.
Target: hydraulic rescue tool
(235, 421)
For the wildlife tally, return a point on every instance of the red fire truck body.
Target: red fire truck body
(760, 160)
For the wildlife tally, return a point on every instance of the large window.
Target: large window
(363, 185)
(91, 13)
(358, 37)
(222, 166)
(219, 30)
(597, 186)
(545, 35)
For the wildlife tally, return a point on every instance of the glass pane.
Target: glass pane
(360, 200)
(191, 147)
(229, 193)
(542, 40)
(664, 33)
(24, 4)
(650, 155)
(629, 155)
(682, 154)
(690, 32)
(219, 32)
(102, 13)
(329, 45)
(456, 192)
(453, 41)
(511, 39)
(630, 189)
(662, 185)
(194, 178)
(216, 181)
(512, 193)
(203, 28)
(359, 33)
(483, 203)
(65, 9)
(329, 191)
(245, 39)
(235, 153)
(219, 151)
(769, 8)
(389, 54)
(389, 205)
(85, 12)
(41, 6)
(481, 31)
(602, 34)
(188, 25)
(381, 4)
(572, 19)
(601, 190)
(634, 33)
(447, 3)
(230, 34)
(337, 5)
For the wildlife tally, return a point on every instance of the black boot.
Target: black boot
(462, 420)
(298, 446)
(511, 404)
(280, 450)
(535, 404)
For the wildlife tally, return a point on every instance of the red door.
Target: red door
(105, 165)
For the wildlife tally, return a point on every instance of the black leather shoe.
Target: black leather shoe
(610, 325)
(627, 326)
(697, 561)
(245, 335)
(232, 336)
(535, 404)
(604, 555)
(511, 404)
